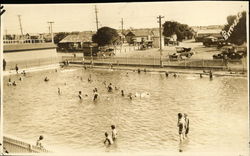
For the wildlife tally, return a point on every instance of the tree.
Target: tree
(58, 37)
(106, 36)
(238, 32)
(181, 30)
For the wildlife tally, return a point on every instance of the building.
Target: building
(200, 34)
(78, 41)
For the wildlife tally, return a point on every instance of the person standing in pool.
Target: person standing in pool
(108, 139)
(114, 132)
(186, 124)
(80, 95)
(122, 92)
(95, 94)
(110, 87)
(16, 69)
(59, 91)
(39, 142)
(181, 125)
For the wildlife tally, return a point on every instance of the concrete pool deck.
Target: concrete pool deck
(165, 69)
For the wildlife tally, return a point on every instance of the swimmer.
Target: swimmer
(24, 73)
(130, 96)
(39, 142)
(46, 79)
(181, 124)
(80, 95)
(14, 83)
(114, 132)
(9, 84)
(108, 139)
(201, 76)
(139, 71)
(122, 92)
(116, 88)
(166, 73)
(20, 78)
(145, 70)
(59, 91)
(186, 124)
(175, 75)
(210, 75)
(95, 94)
(85, 67)
(127, 74)
(110, 88)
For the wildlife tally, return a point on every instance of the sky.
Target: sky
(81, 17)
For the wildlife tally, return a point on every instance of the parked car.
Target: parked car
(231, 52)
(184, 51)
(210, 41)
(107, 52)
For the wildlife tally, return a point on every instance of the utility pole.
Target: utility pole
(6, 34)
(122, 30)
(96, 18)
(160, 17)
(122, 25)
(20, 23)
(51, 31)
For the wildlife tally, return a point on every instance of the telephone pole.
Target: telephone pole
(160, 17)
(122, 30)
(51, 31)
(122, 25)
(20, 23)
(96, 18)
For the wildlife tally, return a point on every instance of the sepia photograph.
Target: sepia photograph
(143, 78)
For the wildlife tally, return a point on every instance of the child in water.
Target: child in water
(114, 132)
(39, 141)
(181, 124)
(108, 139)
(80, 95)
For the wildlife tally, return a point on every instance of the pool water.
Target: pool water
(217, 109)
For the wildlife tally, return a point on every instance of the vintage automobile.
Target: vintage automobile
(210, 41)
(231, 52)
(106, 52)
(184, 51)
(175, 57)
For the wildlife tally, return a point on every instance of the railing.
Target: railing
(23, 41)
(155, 61)
(19, 146)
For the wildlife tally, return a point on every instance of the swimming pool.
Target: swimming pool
(217, 109)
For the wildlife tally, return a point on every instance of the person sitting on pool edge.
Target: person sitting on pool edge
(114, 132)
(108, 139)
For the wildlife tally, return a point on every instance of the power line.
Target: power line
(51, 31)
(160, 17)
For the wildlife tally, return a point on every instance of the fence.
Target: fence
(155, 61)
(18, 146)
(10, 65)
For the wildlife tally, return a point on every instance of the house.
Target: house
(78, 41)
(155, 36)
(138, 36)
(200, 34)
